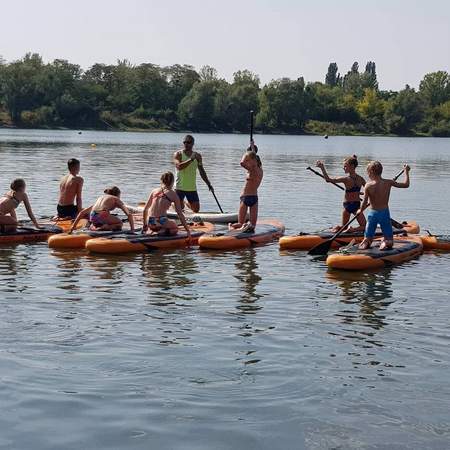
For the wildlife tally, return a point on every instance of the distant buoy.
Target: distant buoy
(79, 132)
(326, 136)
(93, 145)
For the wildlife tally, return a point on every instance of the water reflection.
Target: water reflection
(246, 273)
(166, 273)
(371, 292)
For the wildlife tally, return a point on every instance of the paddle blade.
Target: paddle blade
(322, 249)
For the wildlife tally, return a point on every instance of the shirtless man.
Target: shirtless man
(70, 189)
(187, 162)
(377, 192)
(100, 212)
(249, 196)
(155, 211)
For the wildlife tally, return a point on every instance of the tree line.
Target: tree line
(36, 94)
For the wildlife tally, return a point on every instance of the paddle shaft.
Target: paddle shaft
(251, 125)
(320, 175)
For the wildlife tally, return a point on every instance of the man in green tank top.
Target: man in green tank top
(187, 162)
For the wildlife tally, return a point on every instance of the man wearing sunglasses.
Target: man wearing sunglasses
(187, 162)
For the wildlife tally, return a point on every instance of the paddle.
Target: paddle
(324, 247)
(394, 223)
(217, 201)
(251, 125)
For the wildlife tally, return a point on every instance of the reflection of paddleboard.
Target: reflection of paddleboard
(266, 231)
(146, 242)
(25, 234)
(405, 248)
(306, 241)
(202, 216)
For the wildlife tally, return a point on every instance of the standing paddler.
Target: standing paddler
(187, 162)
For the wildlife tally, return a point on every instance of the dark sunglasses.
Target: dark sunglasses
(187, 142)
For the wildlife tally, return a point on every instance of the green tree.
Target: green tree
(435, 88)
(332, 78)
(283, 106)
(404, 112)
(196, 110)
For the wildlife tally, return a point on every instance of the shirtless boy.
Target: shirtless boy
(377, 192)
(70, 189)
(249, 196)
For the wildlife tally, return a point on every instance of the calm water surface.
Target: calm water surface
(258, 349)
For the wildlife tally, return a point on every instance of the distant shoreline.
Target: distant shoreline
(257, 133)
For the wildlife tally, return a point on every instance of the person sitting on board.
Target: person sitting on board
(249, 196)
(70, 187)
(155, 210)
(353, 184)
(187, 162)
(377, 192)
(100, 215)
(9, 202)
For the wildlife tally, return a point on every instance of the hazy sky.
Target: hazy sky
(276, 38)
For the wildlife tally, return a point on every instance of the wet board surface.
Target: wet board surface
(375, 252)
(148, 239)
(330, 234)
(25, 231)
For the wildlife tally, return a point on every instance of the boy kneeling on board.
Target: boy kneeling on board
(70, 189)
(100, 215)
(377, 192)
(249, 196)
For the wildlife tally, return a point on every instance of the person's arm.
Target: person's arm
(13, 214)
(364, 204)
(182, 165)
(126, 211)
(202, 172)
(83, 213)
(79, 192)
(176, 201)
(404, 184)
(327, 178)
(145, 213)
(26, 202)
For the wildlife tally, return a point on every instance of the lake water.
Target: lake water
(257, 349)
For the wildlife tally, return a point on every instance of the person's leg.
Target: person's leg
(181, 195)
(242, 214)
(386, 228)
(168, 228)
(193, 201)
(345, 219)
(110, 222)
(371, 227)
(8, 224)
(254, 215)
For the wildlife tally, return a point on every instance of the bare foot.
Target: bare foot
(365, 244)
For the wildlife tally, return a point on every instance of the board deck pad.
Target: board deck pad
(375, 252)
(260, 230)
(24, 231)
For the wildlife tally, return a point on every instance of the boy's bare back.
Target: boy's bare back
(69, 188)
(379, 192)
